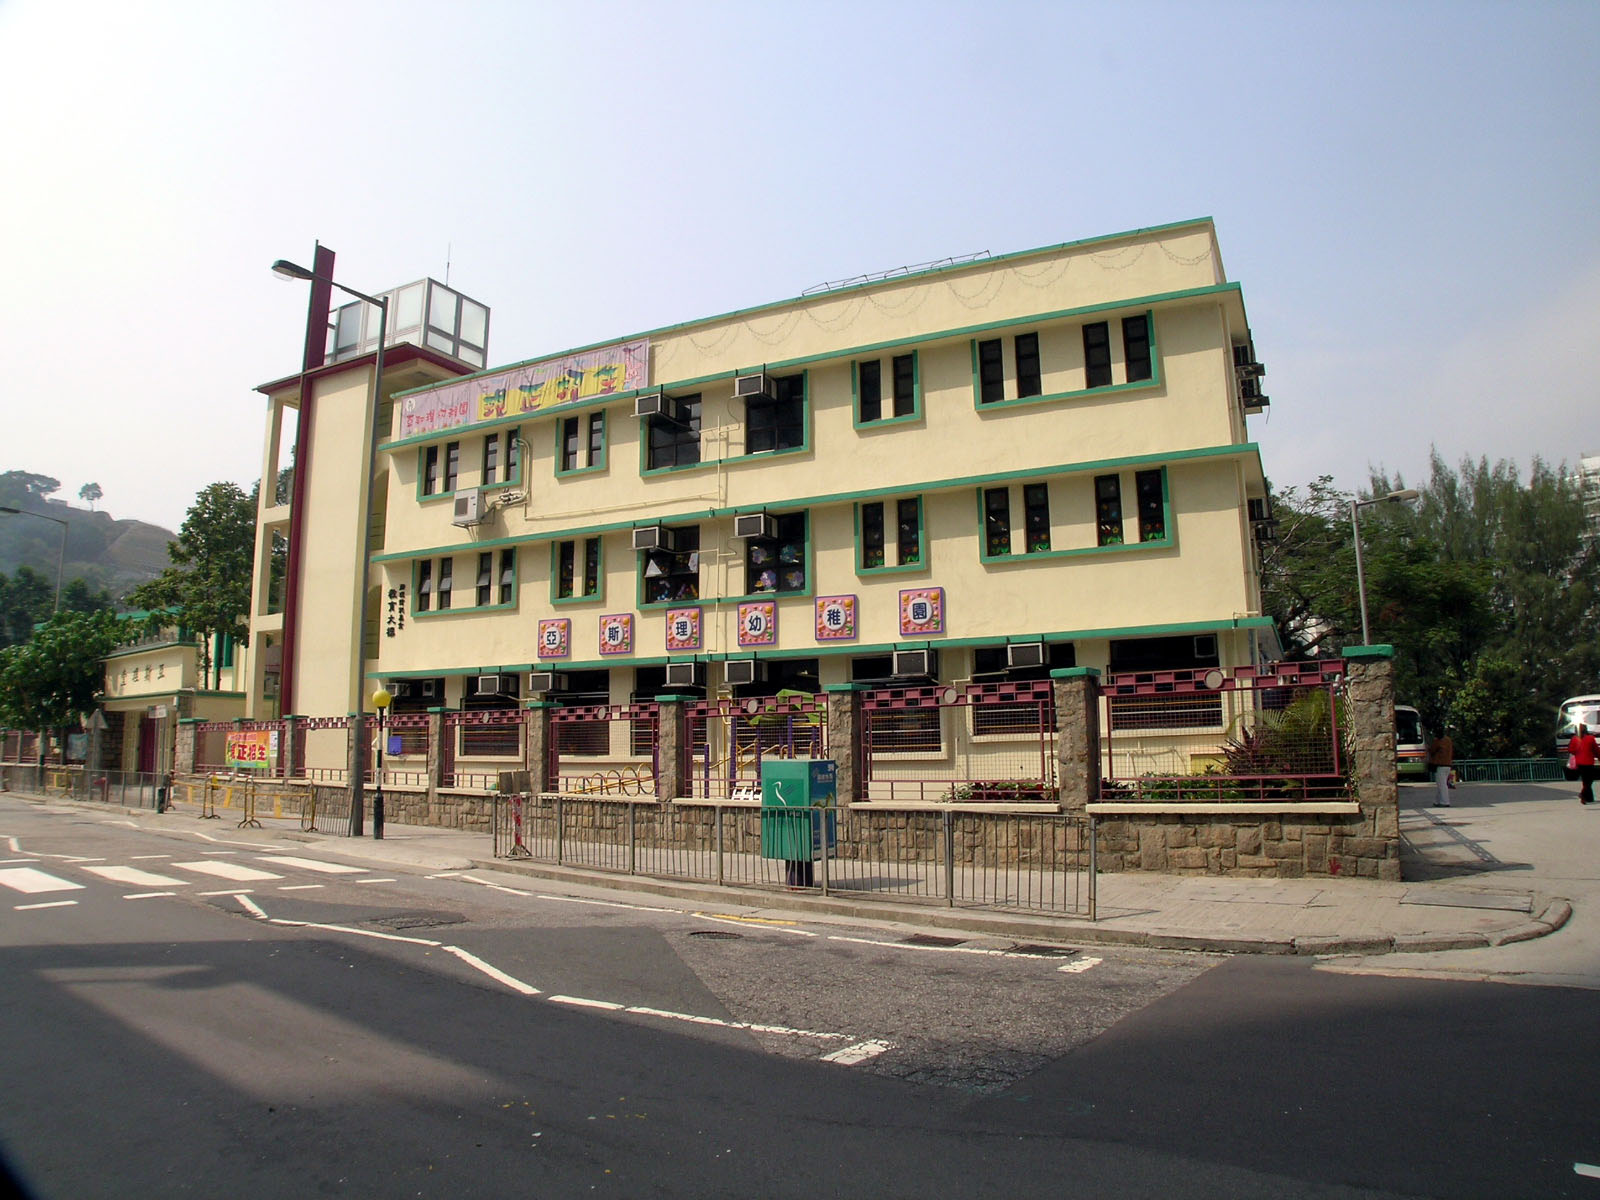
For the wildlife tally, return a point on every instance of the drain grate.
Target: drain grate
(1042, 951)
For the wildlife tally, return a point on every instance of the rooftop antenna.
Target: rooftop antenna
(447, 264)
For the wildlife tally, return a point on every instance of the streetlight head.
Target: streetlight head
(381, 699)
(285, 269)
(7, 509)
(1406, 494)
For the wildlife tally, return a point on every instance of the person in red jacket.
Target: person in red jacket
(1586, 757)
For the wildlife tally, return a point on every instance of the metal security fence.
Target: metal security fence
(957, 857)
(605, 749)
(478, 745)
(728, 740)
(1270, 733)
(324, 750)
(1510, 770)
(975, 743)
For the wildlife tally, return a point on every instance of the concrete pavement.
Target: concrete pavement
(1486, 880)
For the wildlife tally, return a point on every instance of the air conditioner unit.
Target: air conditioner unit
(468, 509)
(400, 689)
(1255, 405)
(752, 525)
(1257, 508)
(546, 681)
(746, 387)
(685, 674)
(652, 404)
(428, 689)
(909, 664)
(1025, 654)
(652, 537)
(491, 685)
(744, 670)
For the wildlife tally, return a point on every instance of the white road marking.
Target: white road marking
(382, 937)
(301, 887)
(499, 887)
(46, 904)
(610, 904)
(135, 876)
(227, 870)
(448, 875)
(230, 842)
(1586, 1170)
(250, 906)
(16, 847)
(18, 860)
(30, 879)
(582, 1003)
(389, 879)
(146, 895)
(527, 989)
(1078, 965)
(311, 864)
(139, 857)
(858, 1053)
(226, 892)
(219, 853)
(760, 922)
(942, 949)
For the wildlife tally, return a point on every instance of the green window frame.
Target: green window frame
(780, 564)
(581, 443)
(1108, 527)
(671, 576)
(876, 520)
(777, 423)
(576, 570)
(668, 442)
(903, 392)
(1141, 365)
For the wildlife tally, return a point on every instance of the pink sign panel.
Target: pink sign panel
(758, 623)
(683, 629)
(921, 611)
(555, 637)
(836, 618)
(616, 634)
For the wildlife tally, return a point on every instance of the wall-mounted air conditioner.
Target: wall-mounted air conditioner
(492, 685)
(1025, 654)
(909, 664)
(469, 508)
(400, 688)
(652, 537)
(752, 525)
(747, 387)
(546, 681)
(744, 670)
(685, 674)
(652, 404)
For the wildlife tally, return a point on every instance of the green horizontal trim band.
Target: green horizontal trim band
(770, 306)
(1382, 650)
(926, 338)
(1241, 449)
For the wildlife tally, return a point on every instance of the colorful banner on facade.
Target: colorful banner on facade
(251, 750)
(529, 388)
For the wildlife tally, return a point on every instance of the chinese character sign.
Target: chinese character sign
(921, 611)
(249, 750)
(758, 623)
(836, 618)
(683, 629)
(616, 634)
(555, 637)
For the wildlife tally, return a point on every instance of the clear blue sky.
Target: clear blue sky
(1408, 194)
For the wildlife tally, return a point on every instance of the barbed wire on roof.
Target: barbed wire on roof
(893, 272)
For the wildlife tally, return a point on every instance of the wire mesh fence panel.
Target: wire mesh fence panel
(327, 750)
(729, 739)
(211, 745)
(484, 743)
(1250, 734)
(976, 743)
(605, 749)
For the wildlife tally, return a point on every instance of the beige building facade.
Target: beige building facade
(981, 470)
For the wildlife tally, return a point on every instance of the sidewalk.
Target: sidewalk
(1473, 880)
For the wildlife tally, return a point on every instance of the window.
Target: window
(996, 521)
(446, 581)
(452, 465)
(1136, 346)
(911, 730)
(430, 471)
(1028, 378)
(508, 575)
(673, 438)
(424, 586)
(1148, 487)
(570, 583)
(491, 458)
(513, 454)
(1097, 354)
(589, 736)
(908, 533)
(776, 422)
(583, 442)
(485, 577)
(778, 563)
(991, 372)
(673, 572)
(1108, 510)
(903, 388)
(996, 716)
(1036, 517)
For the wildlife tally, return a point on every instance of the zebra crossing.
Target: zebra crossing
(157, 875)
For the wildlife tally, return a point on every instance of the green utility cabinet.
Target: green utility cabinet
(797, 813)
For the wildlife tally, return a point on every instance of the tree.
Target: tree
(50, 680)
(90, 492)
(19, 487)
(210, 583)
(26, 598)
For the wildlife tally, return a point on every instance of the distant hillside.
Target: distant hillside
(101, 550)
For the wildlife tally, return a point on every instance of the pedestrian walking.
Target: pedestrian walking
(1584, 754)
(1441, 759)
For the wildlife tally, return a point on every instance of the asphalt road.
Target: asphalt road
(260, 1026)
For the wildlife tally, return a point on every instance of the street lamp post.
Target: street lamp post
(1405, 495)
(61, 555)
(289, 270)
(380, 701)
